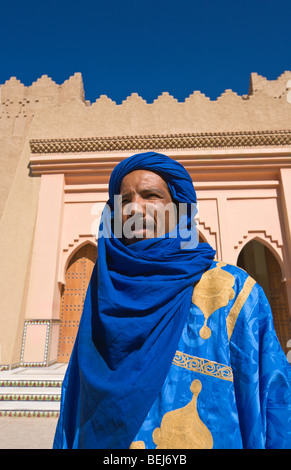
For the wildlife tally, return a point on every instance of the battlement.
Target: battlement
(44, 88)
(19, 103)
(275, 88)
(63, 112)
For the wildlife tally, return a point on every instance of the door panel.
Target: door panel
(77, 279)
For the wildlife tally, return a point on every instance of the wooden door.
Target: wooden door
(77, 279)
(278, 300)
(269, 277)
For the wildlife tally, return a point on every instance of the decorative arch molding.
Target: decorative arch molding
(202, 236)
(266, 239)
(69, 251)
(207, 234)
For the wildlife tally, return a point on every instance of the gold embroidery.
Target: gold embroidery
(183, 428)
(238, 304)
(203, 366)
(213, 291)
(137, 445)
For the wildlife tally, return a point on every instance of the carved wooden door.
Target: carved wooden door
(77, 279)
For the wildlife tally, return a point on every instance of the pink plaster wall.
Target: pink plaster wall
(231, 213)
(43, 294)
(35, 343)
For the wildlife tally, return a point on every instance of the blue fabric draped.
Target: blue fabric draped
(135, 309)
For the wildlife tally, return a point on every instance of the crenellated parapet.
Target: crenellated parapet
(274, 88)
(230, 112)
(62, 111)
(19, 103)
(43, 88)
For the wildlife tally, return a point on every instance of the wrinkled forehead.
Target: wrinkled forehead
(143, 178)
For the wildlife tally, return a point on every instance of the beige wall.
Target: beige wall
(19, 199)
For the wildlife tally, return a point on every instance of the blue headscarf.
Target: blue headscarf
(134, 312)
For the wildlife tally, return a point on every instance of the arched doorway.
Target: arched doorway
(261, 264)
(73, 295)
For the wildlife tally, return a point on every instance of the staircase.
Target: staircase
(31, 393)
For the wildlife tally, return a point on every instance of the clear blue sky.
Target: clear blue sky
(146, 46)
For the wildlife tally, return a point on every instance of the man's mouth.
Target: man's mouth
(146, 226)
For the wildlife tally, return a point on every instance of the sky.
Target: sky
(146, 46)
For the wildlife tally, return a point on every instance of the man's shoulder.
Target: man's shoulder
(235, 271)
(222, 276)
(224, 285)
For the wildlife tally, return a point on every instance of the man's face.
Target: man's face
(145, 196)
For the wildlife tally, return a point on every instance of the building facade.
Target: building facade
(57, 152)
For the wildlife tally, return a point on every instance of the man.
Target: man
(174, 349)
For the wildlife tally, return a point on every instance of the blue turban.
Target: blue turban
(178, 179)
(135, 309)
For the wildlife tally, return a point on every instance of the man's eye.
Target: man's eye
(151, 195)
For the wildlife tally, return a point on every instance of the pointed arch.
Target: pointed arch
(266, 240)
(78, 273)
(208, 236)
(262, 263)
(70, 251)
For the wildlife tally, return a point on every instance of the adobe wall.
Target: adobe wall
(19, 197)
(264, 108)
(18, 106)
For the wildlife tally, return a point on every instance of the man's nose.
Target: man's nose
(138, 205)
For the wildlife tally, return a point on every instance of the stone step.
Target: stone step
(30, 393)
(21, 400)
(31, 405)
(7, 390)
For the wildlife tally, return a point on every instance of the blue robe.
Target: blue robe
(229, 384)
(135, 308)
